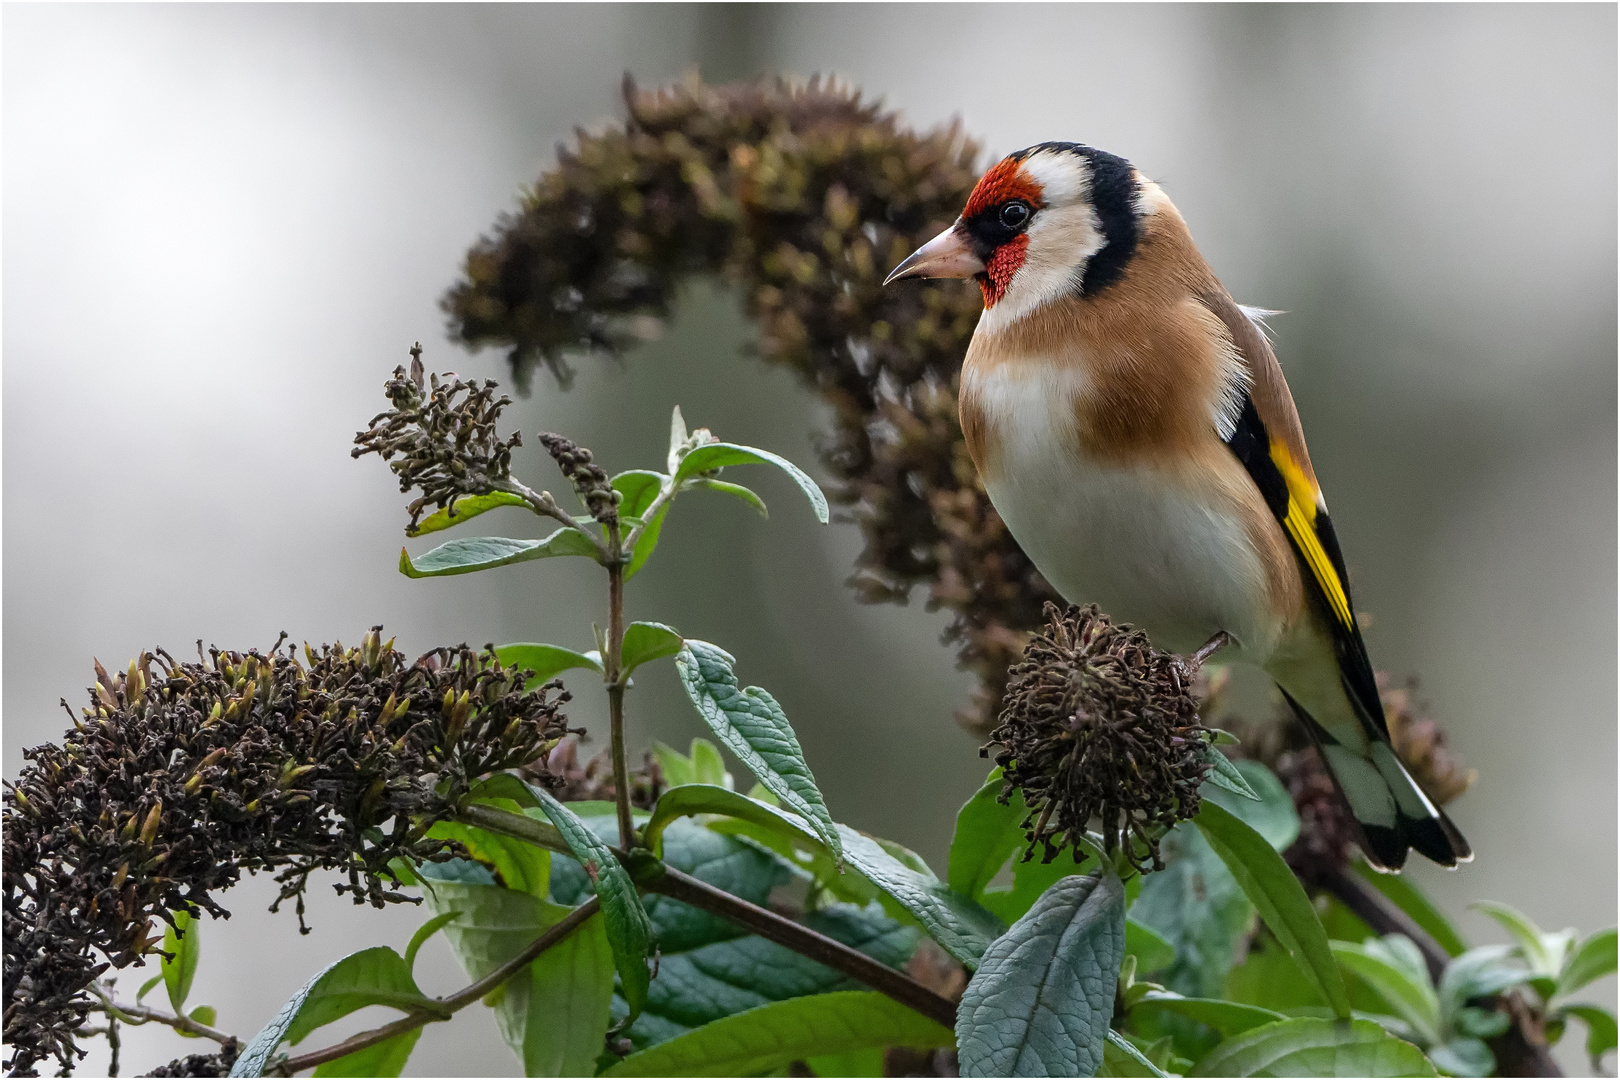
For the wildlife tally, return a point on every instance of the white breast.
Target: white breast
(1162, 550)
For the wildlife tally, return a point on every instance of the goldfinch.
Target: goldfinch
(1133, 429)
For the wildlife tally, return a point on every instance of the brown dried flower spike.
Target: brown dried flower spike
(446, 447)
(1099, 725)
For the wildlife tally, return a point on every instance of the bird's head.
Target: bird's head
(1056, 218)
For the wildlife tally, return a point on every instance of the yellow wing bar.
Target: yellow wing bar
(1300, 522)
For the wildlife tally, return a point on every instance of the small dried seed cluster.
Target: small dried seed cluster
(180, 777)
(1097, 725)
(590, 480)
(803, 197)
(444, 446)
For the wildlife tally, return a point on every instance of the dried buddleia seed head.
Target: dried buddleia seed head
(589, 480)
(1421, 744)
(440, 437)
(1098, 726)
(179, 777)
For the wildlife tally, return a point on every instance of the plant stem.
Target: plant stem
(135, 1015)
(452, 1004)
(806, 942)
(612, 664)
(767, 924)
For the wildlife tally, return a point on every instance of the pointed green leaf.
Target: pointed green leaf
(752, 726)
(471, 554)
(987, 834)
(1591, 960)
(146, 987)
(961, 927)
(1602, 1034)
(553, 1015)
(522, 866)
(184, 945)
(719, 454)
(1407, 992)
(386, 1058)
(1464, 1057)
(546, 661)
(679, 802)
(1040, 1002)
(1151, 950)
(1277, 894)
(647, 542)
(708, 767)
(639, 487)
(762, 1040)
(1227, 1017)
(463, 509)
(677, 437)
(644, 641)
(868, 1062)
(1273, 816)
(736, 491)
(423, 932)
(1311, 1047)
(1223, 774)
(628, 929)
(204, 1015)
(1526, 934)
(377, 976)
(676, 766)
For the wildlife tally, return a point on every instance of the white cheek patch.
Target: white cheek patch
(1062, 239)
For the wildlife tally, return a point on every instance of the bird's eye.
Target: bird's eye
(1015, 215)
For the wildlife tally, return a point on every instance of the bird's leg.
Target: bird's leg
(1208, 649)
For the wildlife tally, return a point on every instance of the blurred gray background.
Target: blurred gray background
(223, 226)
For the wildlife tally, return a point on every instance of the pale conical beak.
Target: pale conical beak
(948, 255)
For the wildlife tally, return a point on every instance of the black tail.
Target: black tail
(1391, 812)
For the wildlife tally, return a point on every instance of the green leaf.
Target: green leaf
(1533, 944)
(987, 834)
(183, 943)
(679, 802)
(644, 641)
(766, 1038)
(460, 510)
(1122, 1058)
(961, 927)
(554, 1014)
(677, 437)
(1387, 969)
(475, 553)
(1273, 816)
(203, 1014)
(423, 933)
(1403, 891)
(1602, 1034)
(1225, 775)
(752, 726)
(386, 1058)
(647, 542)
(708, 767)
(1151, 950)
(1479, 972)
(1197, 907)
(1591, 960)
(1312, 1047)
(639, 488)
(676, 766)
(1464, 1057)
(1270, 979)
(868, 1062)
(546, 661)
(500, 786)
(1227, 1017)
(1274, 891)
(718, 454)
(146, 987)
(736, 491)
(521, 865)
(628, 929)
(1040, 1003)
(377, 976)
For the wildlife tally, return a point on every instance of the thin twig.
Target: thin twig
(767, 924)
(543, 504)
(806, 942)
(451, 1004)
(136, 1015)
